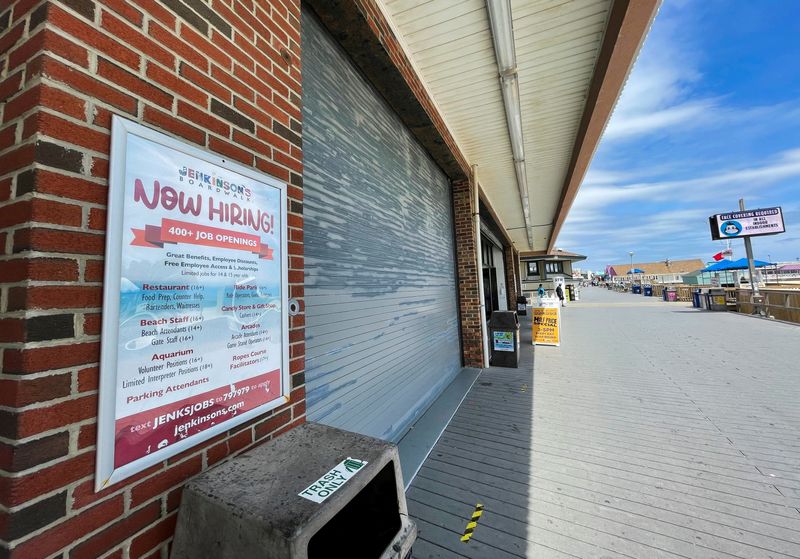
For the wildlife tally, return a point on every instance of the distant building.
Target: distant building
(664, 271)
(542, 267)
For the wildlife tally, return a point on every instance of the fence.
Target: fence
(783, 304)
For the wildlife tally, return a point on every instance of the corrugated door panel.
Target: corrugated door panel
(381, 318)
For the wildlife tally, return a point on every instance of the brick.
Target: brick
(208, 15)
(117, 532)
(33, 360)
(124, 9)
(201, 118)
(90, 35)
(170, 80)
(83, 7)
(54, 297)
(203, 81)
(94, 270)
(232, 115)
(50, 478)
(44, 269)
(177, 46)
(36, 516)
(31, 454)
(269, 425)
(50, 327)
(287, 134)
(189, 16)
(97, 219)
(203, 45)
(59, 72)
(155, 10)
(53, 240)
(24, 391)
(62, 101)
(51, 182)
(154, 536)
(68, 131)
(49, 211)
(92, 324)
(11, 85)
(171, 124)
(146, 490)
(55, 155)
(66, 532)
(230, 150)
(89, 378)
(21, 104)
(133, 83)
(10, 38)
(87, 436)
(64, 48)
(133, 37)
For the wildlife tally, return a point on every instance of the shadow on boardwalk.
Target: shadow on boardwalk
(653, 431)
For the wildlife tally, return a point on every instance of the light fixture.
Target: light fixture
(503, 38)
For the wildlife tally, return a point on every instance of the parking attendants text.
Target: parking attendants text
(223, 212)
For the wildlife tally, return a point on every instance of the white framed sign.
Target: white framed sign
(747, 223)
(195, 336)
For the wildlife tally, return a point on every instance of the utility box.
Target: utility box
(314, 492)
(504, 339)
(522, 305)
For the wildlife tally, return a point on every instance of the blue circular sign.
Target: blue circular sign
(731, 228)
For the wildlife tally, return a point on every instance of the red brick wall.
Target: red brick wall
(512, 275)
(467, 269)
(221, 74)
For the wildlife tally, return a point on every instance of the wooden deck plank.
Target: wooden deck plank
(638, 437)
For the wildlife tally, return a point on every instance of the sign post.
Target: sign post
(746, 224)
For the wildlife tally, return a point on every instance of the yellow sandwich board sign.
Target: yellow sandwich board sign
(546, 323)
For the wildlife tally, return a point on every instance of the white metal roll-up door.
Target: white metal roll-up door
(382, 338)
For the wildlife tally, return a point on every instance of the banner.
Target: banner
(195, 323)
(546, 325)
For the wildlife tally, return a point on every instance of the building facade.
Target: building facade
(399, 244)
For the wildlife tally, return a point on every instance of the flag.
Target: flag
(719, 256)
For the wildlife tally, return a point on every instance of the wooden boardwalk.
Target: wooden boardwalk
(654, 431)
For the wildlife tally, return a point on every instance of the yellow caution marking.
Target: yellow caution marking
(472, 524)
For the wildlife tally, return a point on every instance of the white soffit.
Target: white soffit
(557, 45)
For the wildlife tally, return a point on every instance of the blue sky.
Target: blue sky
(710, 113)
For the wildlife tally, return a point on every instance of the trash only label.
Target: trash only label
(504, 341)
(330, 483)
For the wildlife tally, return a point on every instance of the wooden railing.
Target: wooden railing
(782, 304)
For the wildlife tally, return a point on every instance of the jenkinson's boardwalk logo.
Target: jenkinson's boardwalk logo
(212, 182)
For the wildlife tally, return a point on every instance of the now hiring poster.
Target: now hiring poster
(195, 317)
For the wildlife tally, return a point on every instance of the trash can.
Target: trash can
(522, 305)
(314, 492)
(504, 339)
(716, 300)
(570, 292)
(636, 289)
(648, 290)
(672, 294)
(696, 298)
(664, 293)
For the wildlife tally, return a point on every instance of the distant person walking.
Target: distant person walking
(540, 291)
(560, 294)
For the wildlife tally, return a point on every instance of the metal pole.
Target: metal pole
(479, 255)
(748, 247)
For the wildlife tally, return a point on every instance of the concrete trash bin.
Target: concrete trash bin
(522, 305)
(504, 339)
(314, 492)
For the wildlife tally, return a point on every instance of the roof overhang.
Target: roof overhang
(557, 255)
(572, 59)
